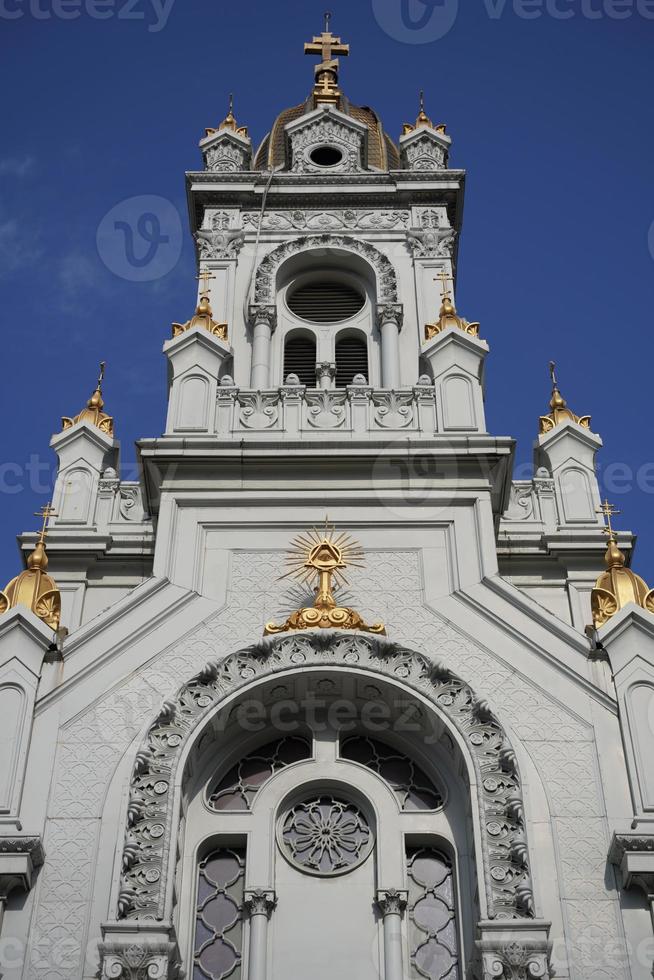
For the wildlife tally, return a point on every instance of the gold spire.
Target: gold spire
(203, 312)
(33, 588)
(618, 585)
(317, 557)
(448, 317)
(325, 45)
(93, 412)
(559, 411)
(422, 120)
(229, 122)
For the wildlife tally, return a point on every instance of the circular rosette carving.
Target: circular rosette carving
(326, 836)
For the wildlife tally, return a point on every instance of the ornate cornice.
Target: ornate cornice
(151, 825)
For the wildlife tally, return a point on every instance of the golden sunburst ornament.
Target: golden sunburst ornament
(319, 559)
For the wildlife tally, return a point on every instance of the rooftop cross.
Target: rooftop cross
(609, 511)
(205, 277)
(555, 383)
(444, 278)
(326, 45)
(45, 513)
(103, 365)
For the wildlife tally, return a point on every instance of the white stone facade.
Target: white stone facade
(539, 735)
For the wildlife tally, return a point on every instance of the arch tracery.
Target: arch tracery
(155, 791)
(266, 276)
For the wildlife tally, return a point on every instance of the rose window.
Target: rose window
(326, 835)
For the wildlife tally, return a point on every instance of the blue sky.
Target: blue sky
(549, 104)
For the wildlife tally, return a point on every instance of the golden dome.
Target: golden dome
(34, 588)
(382, 151)
(448, 317)
(559, 411)
(93, 413)
(203, 314)
(618, 585)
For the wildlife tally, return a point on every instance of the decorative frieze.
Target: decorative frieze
(344, 219)
(220, 240)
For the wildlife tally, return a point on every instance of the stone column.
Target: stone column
(259, 902)
(264, 321)
(325, 375)
(392, 903)
(390, 324)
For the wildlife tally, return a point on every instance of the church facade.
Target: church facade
(326, 693)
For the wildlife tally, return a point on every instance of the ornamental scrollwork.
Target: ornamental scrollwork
(516, 961)
(139, 961)
(348, 219)
(151, 828)
(265, 283)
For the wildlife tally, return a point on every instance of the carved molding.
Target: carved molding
(331, 132)
(392, 901)
(151, 822)
(515, 960)
(139, 960)
(219, 240)
(425, 152)
(259, 901)
(19, 857)
(265, 283)
(347, 219)
(227, 154)
(264, 314)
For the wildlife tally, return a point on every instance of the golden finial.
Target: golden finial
(559, 411)
(229, 122)
(34, 588)
(618, 585)
(326, 46)
(319, 558)
(93, 413)
(448, 317)
(422, 119)
(203, 312)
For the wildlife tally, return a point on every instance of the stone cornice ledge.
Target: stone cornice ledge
(633, 855)
(110, 618)
(19, 857)
(542, 620)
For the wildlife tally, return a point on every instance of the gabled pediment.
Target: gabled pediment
(425, 149)
(226, 150)
(326, 141)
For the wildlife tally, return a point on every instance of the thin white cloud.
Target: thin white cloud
(16, 166)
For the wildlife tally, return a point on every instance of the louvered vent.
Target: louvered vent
(351, 359)
(300, 359)
(325, 302)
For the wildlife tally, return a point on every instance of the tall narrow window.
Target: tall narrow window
(433, 937)
(218, 946)
(351, 359)
(300, 359)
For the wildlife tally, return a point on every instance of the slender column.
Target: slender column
(259, 902)
(390, 324)
(392, 904)
(264, 320)
(325, 375)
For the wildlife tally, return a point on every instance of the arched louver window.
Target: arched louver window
(327, 301)
(300, 359)
(351, 359)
